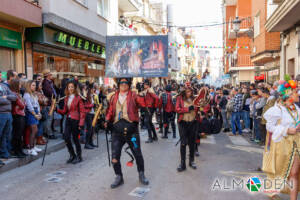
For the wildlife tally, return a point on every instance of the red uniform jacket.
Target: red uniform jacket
(133, 103)
(152, 100)
(76, 111)
(18, 106)
(180, 109)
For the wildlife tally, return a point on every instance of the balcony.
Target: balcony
(284, 17)
(240, 62)
(123, 30)
(13, 12)
(245, 27)
(130, 5)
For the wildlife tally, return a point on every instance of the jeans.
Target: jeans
(257, 128)
(235, 121)
(5, 133)
(246, 118)
(40, 128)
(224, 117)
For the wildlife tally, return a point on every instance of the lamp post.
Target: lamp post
(236, 25)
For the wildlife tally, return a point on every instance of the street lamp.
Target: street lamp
(236, 24)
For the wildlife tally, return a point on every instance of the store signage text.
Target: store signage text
(79, 43)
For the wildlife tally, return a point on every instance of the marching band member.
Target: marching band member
(187, 126)
(168, 103)
(152, 102)
(91, 105)
(75, 111)
(122, 113)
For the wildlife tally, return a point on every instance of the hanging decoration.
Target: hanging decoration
(175, 44)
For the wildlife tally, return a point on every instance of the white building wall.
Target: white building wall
(85, 16)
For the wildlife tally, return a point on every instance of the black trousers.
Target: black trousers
(187, 131)
(169, 117)
(90, 132)
(149, 124)
(118, 141)
(17, 132)
(72, 130)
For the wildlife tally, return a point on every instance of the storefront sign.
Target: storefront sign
(79, 43)
(10, 39)
(3, 76)
(261, 77)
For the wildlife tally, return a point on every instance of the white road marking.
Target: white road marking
(239, 140)
(247, 149)
(139, 192)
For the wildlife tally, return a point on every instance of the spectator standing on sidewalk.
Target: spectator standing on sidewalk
(50, 93)
(6, 99)
(18, 114)
(246, 110)
(222, 106)
(236, 113)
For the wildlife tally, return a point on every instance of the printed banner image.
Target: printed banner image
(136, 56)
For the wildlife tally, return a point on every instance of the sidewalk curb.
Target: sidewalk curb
(17, 162)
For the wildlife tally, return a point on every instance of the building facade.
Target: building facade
(13, 22)
(71, 41)
(266, 46)
(285, 19)
(237, 55)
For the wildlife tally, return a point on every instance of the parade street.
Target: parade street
(221, 157)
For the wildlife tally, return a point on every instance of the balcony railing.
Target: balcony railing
(240, 61)
(245, 26)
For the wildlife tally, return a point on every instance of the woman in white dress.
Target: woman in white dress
(283, 141)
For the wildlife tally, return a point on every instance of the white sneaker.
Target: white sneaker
(32, 152)
(37, 149)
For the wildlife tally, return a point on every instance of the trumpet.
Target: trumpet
(98, 112)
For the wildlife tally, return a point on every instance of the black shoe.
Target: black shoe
(118, 181)
(193, 165)
(181, 167)
(71, 159)
(88, 146)
(197, 154)
(93, 145)
(77, 159)
(164, 137)
(143, 179)
(155, 139)
(149, 141)
(21, 152)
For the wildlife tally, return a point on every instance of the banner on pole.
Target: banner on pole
(136, 56)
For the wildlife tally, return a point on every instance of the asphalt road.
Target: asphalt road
(222, 160)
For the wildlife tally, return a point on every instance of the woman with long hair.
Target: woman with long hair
(33, 115)
(18, 113)
(75, 113)
(281, 157)
(187, 126)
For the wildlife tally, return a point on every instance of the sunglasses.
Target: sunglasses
(124, 82)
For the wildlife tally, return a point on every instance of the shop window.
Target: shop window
(7, 59)
(103, 8)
